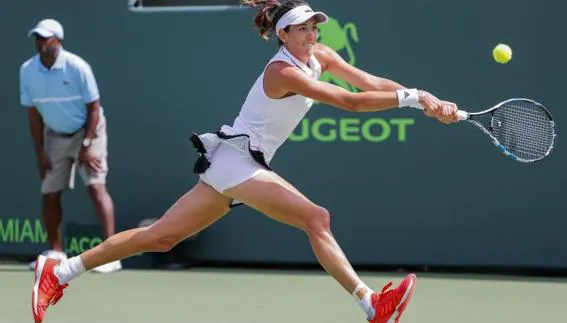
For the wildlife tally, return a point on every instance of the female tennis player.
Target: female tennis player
(233, 163)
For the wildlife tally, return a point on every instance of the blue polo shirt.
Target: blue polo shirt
(61, 93)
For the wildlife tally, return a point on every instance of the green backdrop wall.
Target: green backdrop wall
(420, 193)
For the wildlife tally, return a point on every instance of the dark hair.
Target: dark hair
(270, 13)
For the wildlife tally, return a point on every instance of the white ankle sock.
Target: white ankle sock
(362, 294)
(66, 270)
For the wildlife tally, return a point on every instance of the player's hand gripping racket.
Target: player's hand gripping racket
(522, 129)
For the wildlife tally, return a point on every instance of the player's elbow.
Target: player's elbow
(352, 103)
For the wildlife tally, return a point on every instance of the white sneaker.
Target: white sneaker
(59, 255)
(108, 268)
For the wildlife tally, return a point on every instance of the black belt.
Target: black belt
(66, 135)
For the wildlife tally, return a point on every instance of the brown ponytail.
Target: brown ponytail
(264, 18)
(270, 12)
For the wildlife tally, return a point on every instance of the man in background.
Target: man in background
(68, 129)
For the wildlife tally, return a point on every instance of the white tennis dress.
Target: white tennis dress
(236, 153)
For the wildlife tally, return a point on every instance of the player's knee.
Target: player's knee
(163, 244)
(160, 242)
(319, 220)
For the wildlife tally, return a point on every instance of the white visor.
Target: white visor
(299, 15)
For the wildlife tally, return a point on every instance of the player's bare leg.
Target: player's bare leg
(273, 196)
(196, 210)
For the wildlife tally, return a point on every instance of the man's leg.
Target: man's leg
(104, 208)
(55, 181)
(95, 180)
(52, 215)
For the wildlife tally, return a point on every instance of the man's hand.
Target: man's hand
(87, 158)
(43, 164)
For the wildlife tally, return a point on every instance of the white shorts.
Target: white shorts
(230, 165)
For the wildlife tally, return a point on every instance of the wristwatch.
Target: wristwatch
(87, 142)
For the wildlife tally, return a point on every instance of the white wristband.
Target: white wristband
(408, 98)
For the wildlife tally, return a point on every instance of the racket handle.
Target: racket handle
(463, 115)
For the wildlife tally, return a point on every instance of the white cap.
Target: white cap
(299, 15)
(48, 28)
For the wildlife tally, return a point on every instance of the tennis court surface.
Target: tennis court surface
(207, 295)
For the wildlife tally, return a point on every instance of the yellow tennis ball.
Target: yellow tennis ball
(502, 53)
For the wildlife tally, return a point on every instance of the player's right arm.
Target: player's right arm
(333, 63)
(283, 78)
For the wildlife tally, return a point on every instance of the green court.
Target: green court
(204, 295)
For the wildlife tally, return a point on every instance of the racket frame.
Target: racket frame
(467, 116)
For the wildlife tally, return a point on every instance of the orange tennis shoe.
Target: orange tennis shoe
(46, 288)
(390, 304)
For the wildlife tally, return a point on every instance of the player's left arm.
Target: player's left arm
(336, 65)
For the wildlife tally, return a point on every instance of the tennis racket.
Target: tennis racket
(522, 129)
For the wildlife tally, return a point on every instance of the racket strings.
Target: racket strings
(524, 129)
(529, 125)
